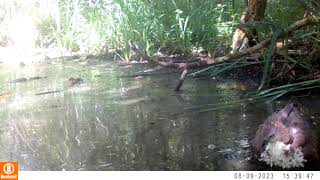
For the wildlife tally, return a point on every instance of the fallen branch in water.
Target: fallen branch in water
(48, 92)
(210, 61)
(182, 78)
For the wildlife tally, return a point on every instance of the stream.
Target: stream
(113, 121)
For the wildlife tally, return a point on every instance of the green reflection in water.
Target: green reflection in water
(113, 122)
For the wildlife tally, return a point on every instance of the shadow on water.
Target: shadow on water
(114, 122)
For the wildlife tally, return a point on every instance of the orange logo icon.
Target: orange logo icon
(8, 170)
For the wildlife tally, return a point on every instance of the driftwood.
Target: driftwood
(211, 61)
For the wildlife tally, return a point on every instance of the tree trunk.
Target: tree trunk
(244, 38)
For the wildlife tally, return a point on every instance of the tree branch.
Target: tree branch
(293, 27)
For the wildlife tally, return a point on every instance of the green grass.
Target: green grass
(173, 26)
(276, 92)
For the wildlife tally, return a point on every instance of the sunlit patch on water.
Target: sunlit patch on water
(80, 88)
(128, 102)
(19, 102)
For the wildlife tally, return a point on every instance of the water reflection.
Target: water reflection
(113, 122)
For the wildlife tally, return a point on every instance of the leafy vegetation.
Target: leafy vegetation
(170, 26)
(93, 25)
(177, 25)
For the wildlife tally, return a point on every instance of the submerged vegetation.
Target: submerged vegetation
(169, 27)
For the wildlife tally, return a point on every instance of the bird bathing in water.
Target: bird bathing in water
(286, 140)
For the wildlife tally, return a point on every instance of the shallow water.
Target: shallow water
(116, 122)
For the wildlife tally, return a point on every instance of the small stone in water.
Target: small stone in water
(211, 146)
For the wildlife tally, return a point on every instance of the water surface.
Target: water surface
(112, 121)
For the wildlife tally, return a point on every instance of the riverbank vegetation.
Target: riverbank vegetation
(279, 40)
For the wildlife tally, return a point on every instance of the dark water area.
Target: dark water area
(112, 121)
